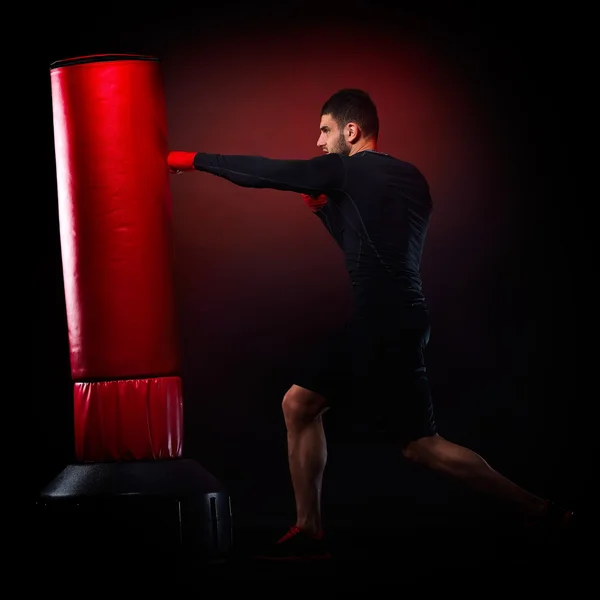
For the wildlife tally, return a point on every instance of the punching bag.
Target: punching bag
(115, 233)
(114, 202)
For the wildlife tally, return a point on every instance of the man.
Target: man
(377, 209)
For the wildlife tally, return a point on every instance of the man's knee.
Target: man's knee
(301, 405)
(423, 450)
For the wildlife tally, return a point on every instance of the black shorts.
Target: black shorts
(376, 369)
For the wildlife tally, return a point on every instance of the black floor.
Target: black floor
(465, 552)
(414, 532)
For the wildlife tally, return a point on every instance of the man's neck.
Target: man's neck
(361, 147)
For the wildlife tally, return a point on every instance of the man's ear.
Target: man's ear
(353, 131)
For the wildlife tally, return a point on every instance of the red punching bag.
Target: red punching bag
(115, 233)
(116, 243)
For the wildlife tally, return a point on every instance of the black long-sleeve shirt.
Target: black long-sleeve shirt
(377, 211)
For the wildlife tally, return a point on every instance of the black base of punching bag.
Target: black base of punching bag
(167, 507)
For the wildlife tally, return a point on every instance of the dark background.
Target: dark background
(473, 100)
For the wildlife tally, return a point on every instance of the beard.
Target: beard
(341, 147)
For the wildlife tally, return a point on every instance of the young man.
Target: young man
(377, 209)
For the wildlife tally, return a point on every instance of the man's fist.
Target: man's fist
(181, 161)
(315, 203)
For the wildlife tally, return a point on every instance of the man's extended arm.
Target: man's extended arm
(313, 176)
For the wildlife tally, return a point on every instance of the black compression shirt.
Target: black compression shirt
(377, 211)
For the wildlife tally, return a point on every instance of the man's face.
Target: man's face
(332, 139)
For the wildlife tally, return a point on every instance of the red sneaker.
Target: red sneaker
(296, 544)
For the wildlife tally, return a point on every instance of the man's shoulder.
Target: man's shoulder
(375, 155)
(327, 156)
(382, 160)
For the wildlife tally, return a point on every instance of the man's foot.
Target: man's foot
(554, 538)
(297, 544)
(556, 518)
(554, 527)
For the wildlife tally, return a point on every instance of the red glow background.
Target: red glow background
(258, 275)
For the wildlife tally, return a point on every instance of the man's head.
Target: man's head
(349, 123)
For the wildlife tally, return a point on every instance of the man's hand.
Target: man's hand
(180, 162)
(315, 203)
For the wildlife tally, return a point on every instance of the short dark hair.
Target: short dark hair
(351, 104)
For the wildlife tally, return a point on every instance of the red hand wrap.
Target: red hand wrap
(315, 204)
(181, 161)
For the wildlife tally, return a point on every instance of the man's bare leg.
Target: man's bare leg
(463, 464)
(307, 453)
